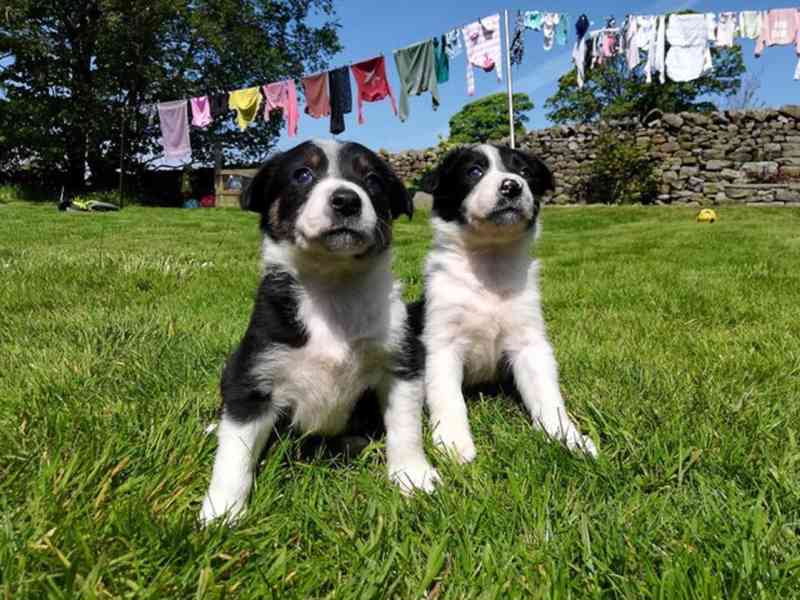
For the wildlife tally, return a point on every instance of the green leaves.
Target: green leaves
(487, 119)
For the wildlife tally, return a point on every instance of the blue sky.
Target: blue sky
(369, 28)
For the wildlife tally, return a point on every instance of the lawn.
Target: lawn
(679, 347)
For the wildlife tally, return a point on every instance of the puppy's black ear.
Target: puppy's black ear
(541, 177)
(400, 201)
(432, 181)
(256, 196)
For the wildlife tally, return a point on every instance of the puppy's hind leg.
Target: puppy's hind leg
(239, 446)
(536, 377)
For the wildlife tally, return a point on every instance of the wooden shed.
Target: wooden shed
(229, 185)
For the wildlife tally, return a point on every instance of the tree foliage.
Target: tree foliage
(487, 119)
(72, 69)
(614, 91)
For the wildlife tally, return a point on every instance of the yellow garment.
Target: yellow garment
(246, 103)
(706, 216)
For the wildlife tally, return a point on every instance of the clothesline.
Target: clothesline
(423, 65)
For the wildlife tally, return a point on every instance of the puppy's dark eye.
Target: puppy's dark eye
(525, 172)
(303, 176)
(373, 181)
(475, 172)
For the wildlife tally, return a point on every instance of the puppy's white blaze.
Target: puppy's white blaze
(317, 215)
(238, 448)
(331, 150)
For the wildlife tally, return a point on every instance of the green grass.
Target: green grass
(679, 347)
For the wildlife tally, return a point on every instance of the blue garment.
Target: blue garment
(561, 30)
(533, 19)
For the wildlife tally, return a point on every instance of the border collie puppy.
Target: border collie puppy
(482, 313)
(329, 324)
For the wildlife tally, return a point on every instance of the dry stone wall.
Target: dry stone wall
(714, 158)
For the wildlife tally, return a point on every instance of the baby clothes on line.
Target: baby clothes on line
(318, 102)
(218, 104)
(416, 68)
(282, 96)
(726, 29)
(174, 120)
(533, 19)
(779, 27)
(656, 62)
(201, 112)
(561, 30)
(579, 50)
(246, 103)
(711, 26)
(750, 23)
(517, 50)
(372, 84)
(632, 57)
(688, 57)
(797, 70)
(549, 23)
(452, 43)
(341, 95)
(483, 48)
(442, 60)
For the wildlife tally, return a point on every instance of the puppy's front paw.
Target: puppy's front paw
(582, 443)
(221, 506)
(414, 477)
(459, 445)
(565, 431)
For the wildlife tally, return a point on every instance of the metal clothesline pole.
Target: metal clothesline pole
(510, 86)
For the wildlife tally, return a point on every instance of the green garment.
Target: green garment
(416, 67)
(442, 61)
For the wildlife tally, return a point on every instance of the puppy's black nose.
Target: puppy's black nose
(510, 188)
(346, 203)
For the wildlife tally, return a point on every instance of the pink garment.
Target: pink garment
(174, 119)
(483, 48)
(778, 28)
(283, 96)
(372, 84)
(201, 112)
(318, 101)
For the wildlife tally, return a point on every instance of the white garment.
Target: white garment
(711, 26)
(549, 23)
(688, 57)
(726, 29)
(797, 70)
(579, 58)
(750, 24)
(482, 39)
(655, 54)
(632, 56)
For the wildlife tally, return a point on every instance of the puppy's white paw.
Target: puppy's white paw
(416, 476)
(221, 506)
(565, 431)
(459, 445)
(582, 443)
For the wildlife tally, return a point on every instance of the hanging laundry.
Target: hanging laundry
(656, 62)
(483, 48)
(246, 103)
(452, 43)
(517, 50)
(201, 112)
(218, 105)
(533, 19)
(282, 95)
(779, 27)
(561, 30)
(726, 29)
(797, 71)
(750, 23)
(609, 42)
(318, 102)
(442, 60)
(711, 26)
(688, 57)
(416, 68)
(341, 96)
(549, 23)
(579, 50)
(631, 48)
(372, 84)
(174, 120)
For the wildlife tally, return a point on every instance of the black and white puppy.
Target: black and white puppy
(482, 312)
(329, 323)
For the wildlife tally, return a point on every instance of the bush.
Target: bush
(9, 193)
(622, 173)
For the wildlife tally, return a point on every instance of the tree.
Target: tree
(613, 91)
(74, 70)
(487, 119)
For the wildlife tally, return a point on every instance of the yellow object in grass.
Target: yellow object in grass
(706, 216)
